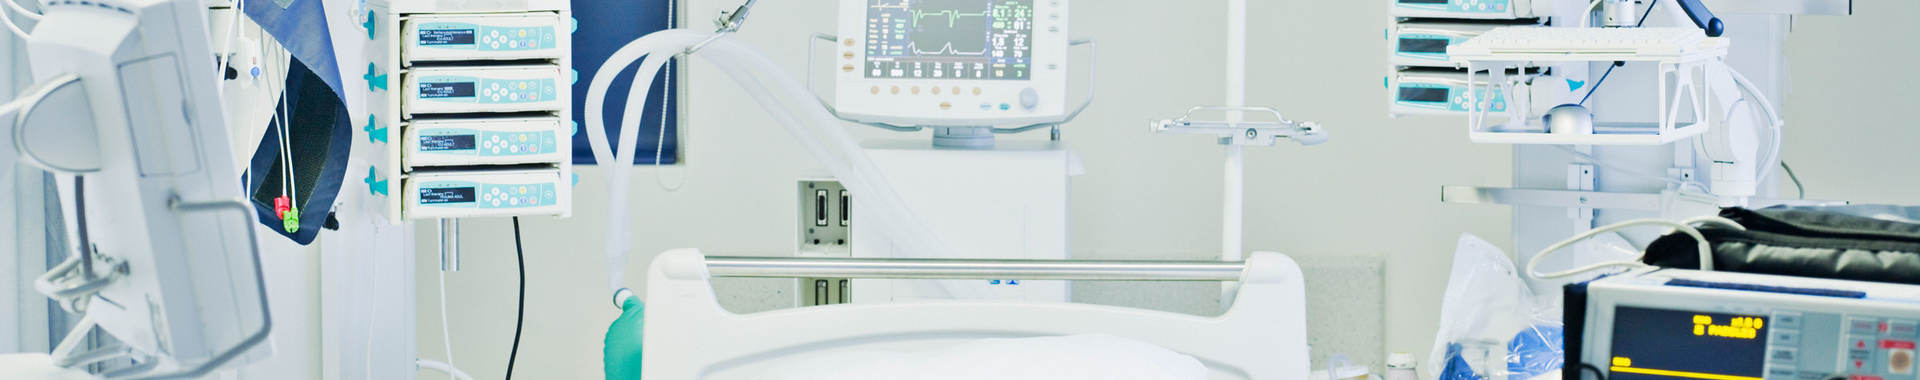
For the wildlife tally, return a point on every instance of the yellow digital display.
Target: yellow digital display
(1658, 344)
(1737, 328)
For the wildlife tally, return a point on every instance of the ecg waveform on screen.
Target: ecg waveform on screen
(945, 25)
(982, 39)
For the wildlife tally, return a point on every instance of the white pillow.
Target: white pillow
(1050, 358)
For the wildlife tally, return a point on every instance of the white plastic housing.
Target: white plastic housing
(466, 37)
(486, 89)
(487, 193)
(503, 141)
(935, 98)
(1469, 9)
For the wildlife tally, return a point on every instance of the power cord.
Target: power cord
(1684, 226)
(446, 335)
(521, 315)
(1796, 179)
(1596, 371)
(1603, 76)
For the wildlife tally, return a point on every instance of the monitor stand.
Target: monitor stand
(963, 137)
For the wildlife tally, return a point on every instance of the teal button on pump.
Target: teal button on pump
(375, 185)
(375, 134)
(374, 82)
(369, 25)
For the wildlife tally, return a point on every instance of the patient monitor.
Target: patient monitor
(952, 63)
(967, 69)
(1656, 324)
(163, 258)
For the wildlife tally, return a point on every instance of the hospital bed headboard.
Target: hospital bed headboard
(689, 336)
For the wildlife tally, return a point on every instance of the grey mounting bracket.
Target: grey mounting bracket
(1257, 133)
(727, 22)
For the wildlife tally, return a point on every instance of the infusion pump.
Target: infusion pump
(959, 63)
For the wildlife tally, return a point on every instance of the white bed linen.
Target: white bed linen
(1051, 358)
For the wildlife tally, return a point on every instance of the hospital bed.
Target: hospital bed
(689, 336)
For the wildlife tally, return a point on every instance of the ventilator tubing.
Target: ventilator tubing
(787, 101)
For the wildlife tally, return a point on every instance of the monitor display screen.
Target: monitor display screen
(950, 39)
(1658, 344)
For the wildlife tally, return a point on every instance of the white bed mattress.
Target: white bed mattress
(1074, 357)
(689, 336)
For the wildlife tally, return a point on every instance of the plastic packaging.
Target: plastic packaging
(1340, 368)
(788, 102)
(1492, 327)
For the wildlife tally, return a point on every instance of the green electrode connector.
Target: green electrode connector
(292, 221)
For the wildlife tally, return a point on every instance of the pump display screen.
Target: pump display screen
(1423, 45)
(949, 39)
(446, 195)
(449, 142)
(446, 37)
(1656, 344)
(1423, 94)
(446, 90)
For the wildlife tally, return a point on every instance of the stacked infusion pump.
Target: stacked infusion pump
(469, 109)
(1422, 81)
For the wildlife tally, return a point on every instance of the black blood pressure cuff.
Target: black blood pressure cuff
(1823, 242)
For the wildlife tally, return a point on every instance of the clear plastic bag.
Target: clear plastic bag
(1492, 326)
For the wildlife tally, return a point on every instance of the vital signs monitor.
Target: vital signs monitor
(1656, 324)
(945, 63)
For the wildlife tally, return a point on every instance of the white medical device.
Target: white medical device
(1654, 323)
(164, 259)
(466, 37)
(1523, 43)
(952, 63)
(502, 141)
(1423, 43)
(462, 89)
(486, 89)
(1440, 92)
(485, 193)
(1468, 9)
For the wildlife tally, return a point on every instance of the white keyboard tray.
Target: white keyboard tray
(1680, 79)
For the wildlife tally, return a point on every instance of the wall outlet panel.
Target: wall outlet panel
(823, 230)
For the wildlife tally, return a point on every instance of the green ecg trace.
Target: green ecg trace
(953, 17)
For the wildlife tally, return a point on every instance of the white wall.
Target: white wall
(1373, 190)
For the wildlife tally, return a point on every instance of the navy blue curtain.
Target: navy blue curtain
(605, 27)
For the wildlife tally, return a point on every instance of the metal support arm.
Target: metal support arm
(971, 269)
(1261, 133)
